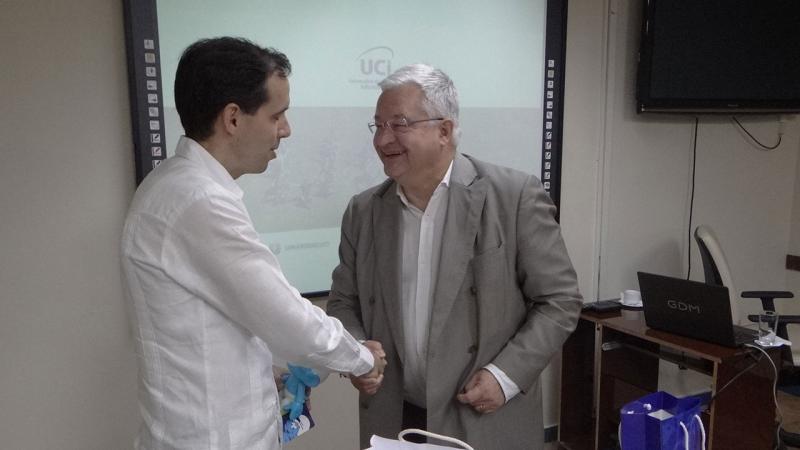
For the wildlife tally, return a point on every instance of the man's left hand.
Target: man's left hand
(483, 393)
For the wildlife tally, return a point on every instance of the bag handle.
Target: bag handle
(702, 433)
(434, 435)
(685, 433)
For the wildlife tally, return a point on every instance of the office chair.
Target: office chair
(717, 272)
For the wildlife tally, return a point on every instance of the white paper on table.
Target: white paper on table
(777, 341)
(379, 443)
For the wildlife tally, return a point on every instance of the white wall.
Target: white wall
(793, 277)
(67, 372)
(745, 194)
(627, 177)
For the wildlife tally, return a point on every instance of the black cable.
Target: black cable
(765, 147)
(774, 386)
(742, 372)
(691, 201)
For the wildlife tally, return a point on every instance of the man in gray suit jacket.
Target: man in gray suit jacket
(459, 269)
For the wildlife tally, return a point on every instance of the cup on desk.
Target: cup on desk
(767, 328)
(631, 298)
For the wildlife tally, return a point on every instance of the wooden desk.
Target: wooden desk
(597, 380)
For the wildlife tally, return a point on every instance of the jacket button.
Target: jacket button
(472, 349)
(372, 300)
(473, 290)
(364, 405)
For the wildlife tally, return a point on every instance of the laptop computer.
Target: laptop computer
(692, 309)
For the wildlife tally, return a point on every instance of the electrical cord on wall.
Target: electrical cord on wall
(694, 172)
(765, 147)
(691, 199)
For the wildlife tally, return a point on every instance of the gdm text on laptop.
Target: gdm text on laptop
(689, 308)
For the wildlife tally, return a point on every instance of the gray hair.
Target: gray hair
(441, 97)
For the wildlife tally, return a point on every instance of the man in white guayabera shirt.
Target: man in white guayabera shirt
(458, 268)
(209, 302)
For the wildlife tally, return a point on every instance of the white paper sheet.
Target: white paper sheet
(379, 443)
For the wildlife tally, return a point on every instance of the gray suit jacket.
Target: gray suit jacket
(506, 294)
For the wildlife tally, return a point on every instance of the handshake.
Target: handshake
(370, 382)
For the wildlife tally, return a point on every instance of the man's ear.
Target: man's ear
(446, 131)
(230, 116)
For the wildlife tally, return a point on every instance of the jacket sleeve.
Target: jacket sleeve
(344, 302)
(548, 284)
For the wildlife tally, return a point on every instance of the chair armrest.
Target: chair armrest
(767, 294)
(767, 297)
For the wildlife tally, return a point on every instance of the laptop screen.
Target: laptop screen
(687, 308)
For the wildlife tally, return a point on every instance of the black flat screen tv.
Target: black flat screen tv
(719, 56)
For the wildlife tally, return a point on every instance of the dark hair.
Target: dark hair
(215, 72)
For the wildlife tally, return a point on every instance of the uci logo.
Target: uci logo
(681, 306)
(376, 61)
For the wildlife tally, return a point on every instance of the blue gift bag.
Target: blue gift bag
(294, 407)
(660, 421)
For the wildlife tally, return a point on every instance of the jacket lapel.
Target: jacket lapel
(386, 219)
(466, 198)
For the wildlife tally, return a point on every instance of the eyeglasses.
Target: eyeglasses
(398, 126)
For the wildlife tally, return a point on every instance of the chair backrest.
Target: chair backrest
(715, 265)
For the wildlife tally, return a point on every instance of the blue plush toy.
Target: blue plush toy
(293, 399)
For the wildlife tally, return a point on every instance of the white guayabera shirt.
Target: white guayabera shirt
(209, 305)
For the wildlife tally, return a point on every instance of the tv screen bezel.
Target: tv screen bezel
(645, 103)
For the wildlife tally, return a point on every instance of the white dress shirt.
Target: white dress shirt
(421, 237)
(209, 305)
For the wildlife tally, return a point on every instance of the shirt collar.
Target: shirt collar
(445, 182)
(190, 149)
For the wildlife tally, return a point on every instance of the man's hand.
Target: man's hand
(370, 382)
(483, 393)
(379, 355)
